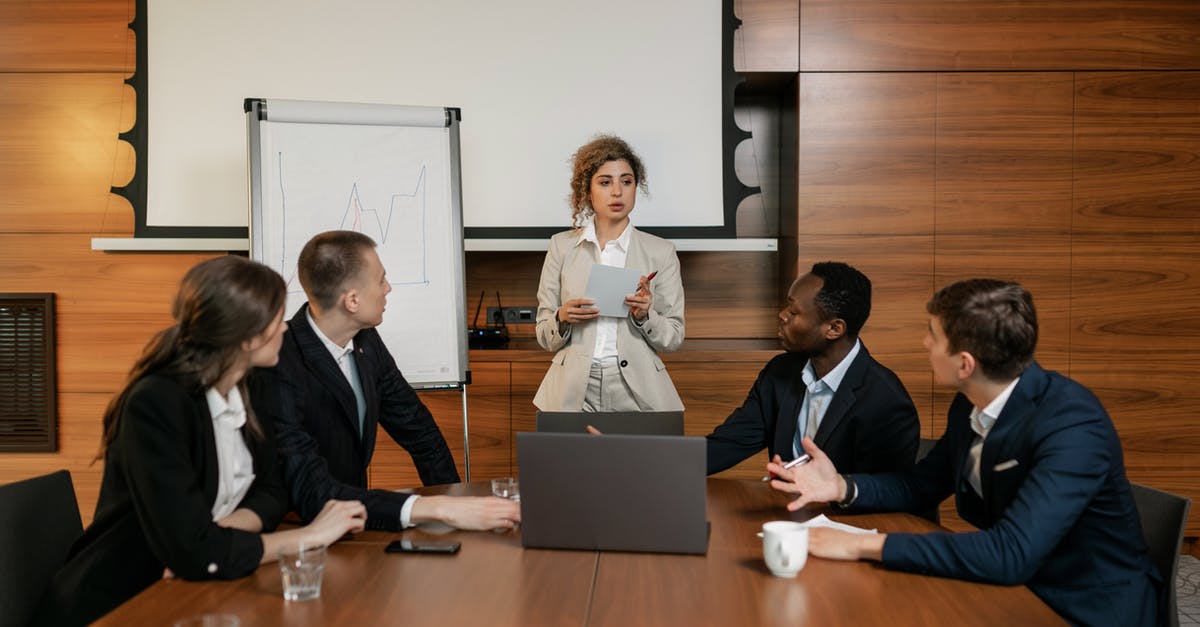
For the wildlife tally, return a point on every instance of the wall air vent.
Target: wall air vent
(28, 412)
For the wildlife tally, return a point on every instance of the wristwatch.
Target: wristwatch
(851, 493)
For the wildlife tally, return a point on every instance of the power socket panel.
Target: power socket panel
(511, 315)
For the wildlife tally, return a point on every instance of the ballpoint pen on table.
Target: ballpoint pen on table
(799, 461)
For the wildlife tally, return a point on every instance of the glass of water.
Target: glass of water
(302, 566)
(507, 488)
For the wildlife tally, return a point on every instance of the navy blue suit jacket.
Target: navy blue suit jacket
(870, 425)
(315, 417)
(1056, 513)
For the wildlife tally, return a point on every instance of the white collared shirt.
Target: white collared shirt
(235, 465)
(613, 253)
(982, 422)
(817, 395)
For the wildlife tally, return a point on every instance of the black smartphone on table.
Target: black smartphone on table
(423, 546)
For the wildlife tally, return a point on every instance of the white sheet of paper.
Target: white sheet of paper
(822, 521)
(609, 285)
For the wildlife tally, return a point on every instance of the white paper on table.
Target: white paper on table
(609, 285)
(822, 521)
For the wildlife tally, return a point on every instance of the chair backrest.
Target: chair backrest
(39, 520)
(1164, 516)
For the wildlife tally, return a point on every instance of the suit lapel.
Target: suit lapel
(212, 467)
(319, 362)
(1005, 438)
(844, 398)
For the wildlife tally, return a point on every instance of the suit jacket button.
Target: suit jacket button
(212, 568)
(624, 363)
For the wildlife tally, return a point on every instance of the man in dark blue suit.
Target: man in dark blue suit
(1032, 459)
(826, 386)
(336, 382)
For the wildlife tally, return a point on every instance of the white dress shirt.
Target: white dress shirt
(982, 423)
(235, 465)
(612, 254)
(344, 356)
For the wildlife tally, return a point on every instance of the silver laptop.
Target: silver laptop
(626, 422)
(613, 492)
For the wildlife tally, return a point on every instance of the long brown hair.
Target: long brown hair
(221, 303)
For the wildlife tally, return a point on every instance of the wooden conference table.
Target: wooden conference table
(493, 581)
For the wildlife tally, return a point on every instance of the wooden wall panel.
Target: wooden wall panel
(108, 305)
(1004, 154)
(1136, 334)
(526, 377)
(710, 392)
(768, 39)
(727, 294)
(487, 411)
(59, 153)
(874, 35)
(66, 36)
(1137, 142)
(866, 157)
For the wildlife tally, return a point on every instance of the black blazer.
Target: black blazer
(155, 507)
(870, 425)
(315, 417)
(1056, 513)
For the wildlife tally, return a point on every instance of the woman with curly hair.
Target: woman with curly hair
(191, 485)
(604, 363)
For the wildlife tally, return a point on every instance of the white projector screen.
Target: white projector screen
(534, 80)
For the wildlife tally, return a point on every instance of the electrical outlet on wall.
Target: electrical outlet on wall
(511, 315)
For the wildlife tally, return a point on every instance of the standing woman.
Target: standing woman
(190, 476)
(604, 363)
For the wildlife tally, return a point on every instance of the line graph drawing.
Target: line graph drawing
(404, 219)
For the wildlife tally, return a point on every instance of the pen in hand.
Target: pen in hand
(799, 461)
(648, 279)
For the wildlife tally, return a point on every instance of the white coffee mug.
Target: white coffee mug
(785, 547)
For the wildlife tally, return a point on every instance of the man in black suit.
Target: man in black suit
(825, 387)
(336, 381)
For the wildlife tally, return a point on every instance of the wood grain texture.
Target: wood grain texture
(59, 153)
(493, 581)
(1137, 153)
(769, 37)
(487, 412)
(924, 35)
(866, 156)
(108, 305)
(1004, 154)
(66, 36)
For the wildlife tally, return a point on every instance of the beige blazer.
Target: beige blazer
(564, 276)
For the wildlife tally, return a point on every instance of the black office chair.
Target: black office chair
(1164, 516)
(923, 449)
(39, 520)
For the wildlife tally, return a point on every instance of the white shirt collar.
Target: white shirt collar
(229, 411)
(338, 352)
(833, 378)
(983, 421)
(588, 234)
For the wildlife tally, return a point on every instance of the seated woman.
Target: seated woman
(607, 363)
(190, 483)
